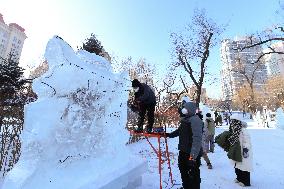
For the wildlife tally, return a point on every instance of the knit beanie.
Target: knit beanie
(135, 83)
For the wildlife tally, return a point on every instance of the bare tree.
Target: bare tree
(248, 78)
(268, 40)
(191, 50)
(274, 92)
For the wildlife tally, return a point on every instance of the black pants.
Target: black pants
(243, 176)
(190, 177)
(150, 109)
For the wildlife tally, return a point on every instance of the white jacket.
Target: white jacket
(245, 142)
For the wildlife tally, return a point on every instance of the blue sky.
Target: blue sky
(131, 27)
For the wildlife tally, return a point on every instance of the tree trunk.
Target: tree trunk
(198, 96)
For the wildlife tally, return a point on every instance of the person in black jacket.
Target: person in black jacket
(145, 99)
(190, 146)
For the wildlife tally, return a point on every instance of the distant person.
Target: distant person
(210, 125)
(244, 113)
(226, 118)
(266, 117)
(190, 146)
(144, 101)
(239, 134)
(205, 142)
(216, 114)
(219, 121)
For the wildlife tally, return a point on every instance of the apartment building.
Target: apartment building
(274, 61)
(232, 59)
(12, 37)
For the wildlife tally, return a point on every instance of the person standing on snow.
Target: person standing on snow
(145, 101)
(184, 100)
(190, 146)
(215, 114)
(210, 125)
(205, 142)
(239, 134)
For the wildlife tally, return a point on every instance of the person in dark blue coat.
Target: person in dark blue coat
(145, 100)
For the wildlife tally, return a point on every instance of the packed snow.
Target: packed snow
(267, 146)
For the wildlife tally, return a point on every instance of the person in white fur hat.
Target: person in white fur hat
(238, 133)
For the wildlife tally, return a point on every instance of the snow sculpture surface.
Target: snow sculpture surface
(75, 131)
(205, 109)
(279, 118)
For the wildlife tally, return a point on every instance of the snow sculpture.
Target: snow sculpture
(279, 118)
(205, 109)
(76, 128)
(258, 119)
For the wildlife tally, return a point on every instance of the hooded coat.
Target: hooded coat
(189, 132)
(247, 161)
(145, 94)
(210, 125)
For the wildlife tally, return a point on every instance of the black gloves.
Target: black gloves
(245, 153)
(134, 108)
(191, 163)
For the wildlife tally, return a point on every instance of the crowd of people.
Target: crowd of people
(197, 137)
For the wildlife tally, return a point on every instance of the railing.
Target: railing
(11, 126)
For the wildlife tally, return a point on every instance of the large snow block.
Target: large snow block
(124, 179)
(129, 179)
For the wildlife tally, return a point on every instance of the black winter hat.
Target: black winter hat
(135, 83)
(199, 114)
(208, 115)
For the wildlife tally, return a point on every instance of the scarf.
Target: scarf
(235, 129)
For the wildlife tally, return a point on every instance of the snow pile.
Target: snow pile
(75, 132)
(279, 118)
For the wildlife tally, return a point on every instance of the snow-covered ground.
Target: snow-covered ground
(268, 145)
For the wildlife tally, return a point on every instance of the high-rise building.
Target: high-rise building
(274, 61)
(246, 60)
(12, 39)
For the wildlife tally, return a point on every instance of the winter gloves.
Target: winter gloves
(191, 163)
(245, 153)
(135, 107)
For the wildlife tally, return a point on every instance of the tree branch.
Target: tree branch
(204, 58)
(184, 86)
(262, 42)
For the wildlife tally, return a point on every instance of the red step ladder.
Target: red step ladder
(158, 151)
